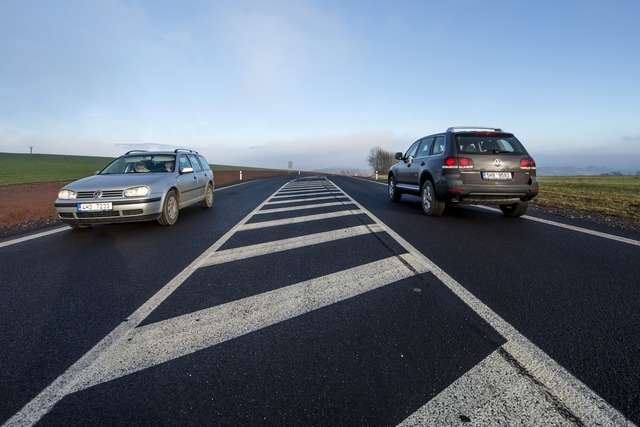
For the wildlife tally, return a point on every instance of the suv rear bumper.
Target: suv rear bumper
(481, 195)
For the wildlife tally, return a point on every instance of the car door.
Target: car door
(201, 175)
(406, 168)
(187, 181)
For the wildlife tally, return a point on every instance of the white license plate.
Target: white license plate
(95, 207)
(497, 175)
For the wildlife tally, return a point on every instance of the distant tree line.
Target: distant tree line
(616, 173)
(380, 160)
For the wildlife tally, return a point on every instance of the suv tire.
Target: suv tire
(431, 205)
(515, 209)
(394, 194)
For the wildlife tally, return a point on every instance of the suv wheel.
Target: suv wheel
(515, 209)
(431, 205)
(394, 194)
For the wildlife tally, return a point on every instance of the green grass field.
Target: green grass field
(610, 195)
(29, 168)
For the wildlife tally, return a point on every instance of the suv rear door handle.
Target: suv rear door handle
(422, 164)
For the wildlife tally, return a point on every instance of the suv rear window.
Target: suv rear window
(489, 143)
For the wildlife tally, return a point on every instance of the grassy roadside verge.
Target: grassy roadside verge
(617, 196)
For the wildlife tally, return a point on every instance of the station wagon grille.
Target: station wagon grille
(103, 194)
(81, 215)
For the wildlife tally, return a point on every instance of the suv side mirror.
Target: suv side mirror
(398, 156)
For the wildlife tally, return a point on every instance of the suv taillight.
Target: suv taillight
(457, 162)
(527, 163)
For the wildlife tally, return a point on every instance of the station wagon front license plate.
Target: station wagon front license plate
(497, 176)
(95, 207)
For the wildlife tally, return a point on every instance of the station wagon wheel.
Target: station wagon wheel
(207, 202)
(394, 194)
(515, 209)
(431, 205)
(170, 209)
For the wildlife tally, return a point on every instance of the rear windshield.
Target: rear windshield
(490, 143)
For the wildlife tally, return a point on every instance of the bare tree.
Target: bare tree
(380, 160)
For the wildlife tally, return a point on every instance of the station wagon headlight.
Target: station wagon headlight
(136, 191)
(66, 194)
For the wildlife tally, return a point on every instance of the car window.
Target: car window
(489, 144)
(425, 147)
(438, 146)
(203, 161)
(196, 164)
(184, 162)
(412, 150)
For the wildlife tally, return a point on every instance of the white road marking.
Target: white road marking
(33, 236)
(297, 220)
(287, 209)
(244, 252)
(163, 341)
(116, 356)
(569, 392)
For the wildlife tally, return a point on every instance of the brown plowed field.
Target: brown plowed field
(26, 202)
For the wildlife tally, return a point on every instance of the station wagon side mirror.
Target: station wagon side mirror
(398, 156)
(186, 170)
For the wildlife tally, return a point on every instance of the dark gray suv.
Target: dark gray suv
(466, 165)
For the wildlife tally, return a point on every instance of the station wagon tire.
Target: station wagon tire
(207, 202)
(394, 194)
(170, 209)
(79, 226)
(515, 209)
(431, 205)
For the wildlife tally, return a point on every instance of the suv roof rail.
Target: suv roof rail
(455, 128)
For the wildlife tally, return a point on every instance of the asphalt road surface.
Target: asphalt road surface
(317, 301)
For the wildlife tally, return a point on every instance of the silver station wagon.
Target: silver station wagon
(138, 186)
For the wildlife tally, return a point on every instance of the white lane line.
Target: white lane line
(573, 228)
(33, 411)
(296, 208)
(566, 226)
(298, 219)
(244, 252)
(310, 194)
(580, 400)
(309, 199)
(494, 382)
(163, 341)
(33, 236)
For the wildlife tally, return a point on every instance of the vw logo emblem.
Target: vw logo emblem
(98, 194)
(497, 163)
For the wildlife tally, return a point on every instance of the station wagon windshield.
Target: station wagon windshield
(140, 163)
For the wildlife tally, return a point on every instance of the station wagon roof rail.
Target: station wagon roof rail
(455, 128)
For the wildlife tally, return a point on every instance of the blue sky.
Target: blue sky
(319, 82)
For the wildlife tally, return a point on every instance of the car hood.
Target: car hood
(119, 181)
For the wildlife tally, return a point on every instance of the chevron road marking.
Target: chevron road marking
(495, 392)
